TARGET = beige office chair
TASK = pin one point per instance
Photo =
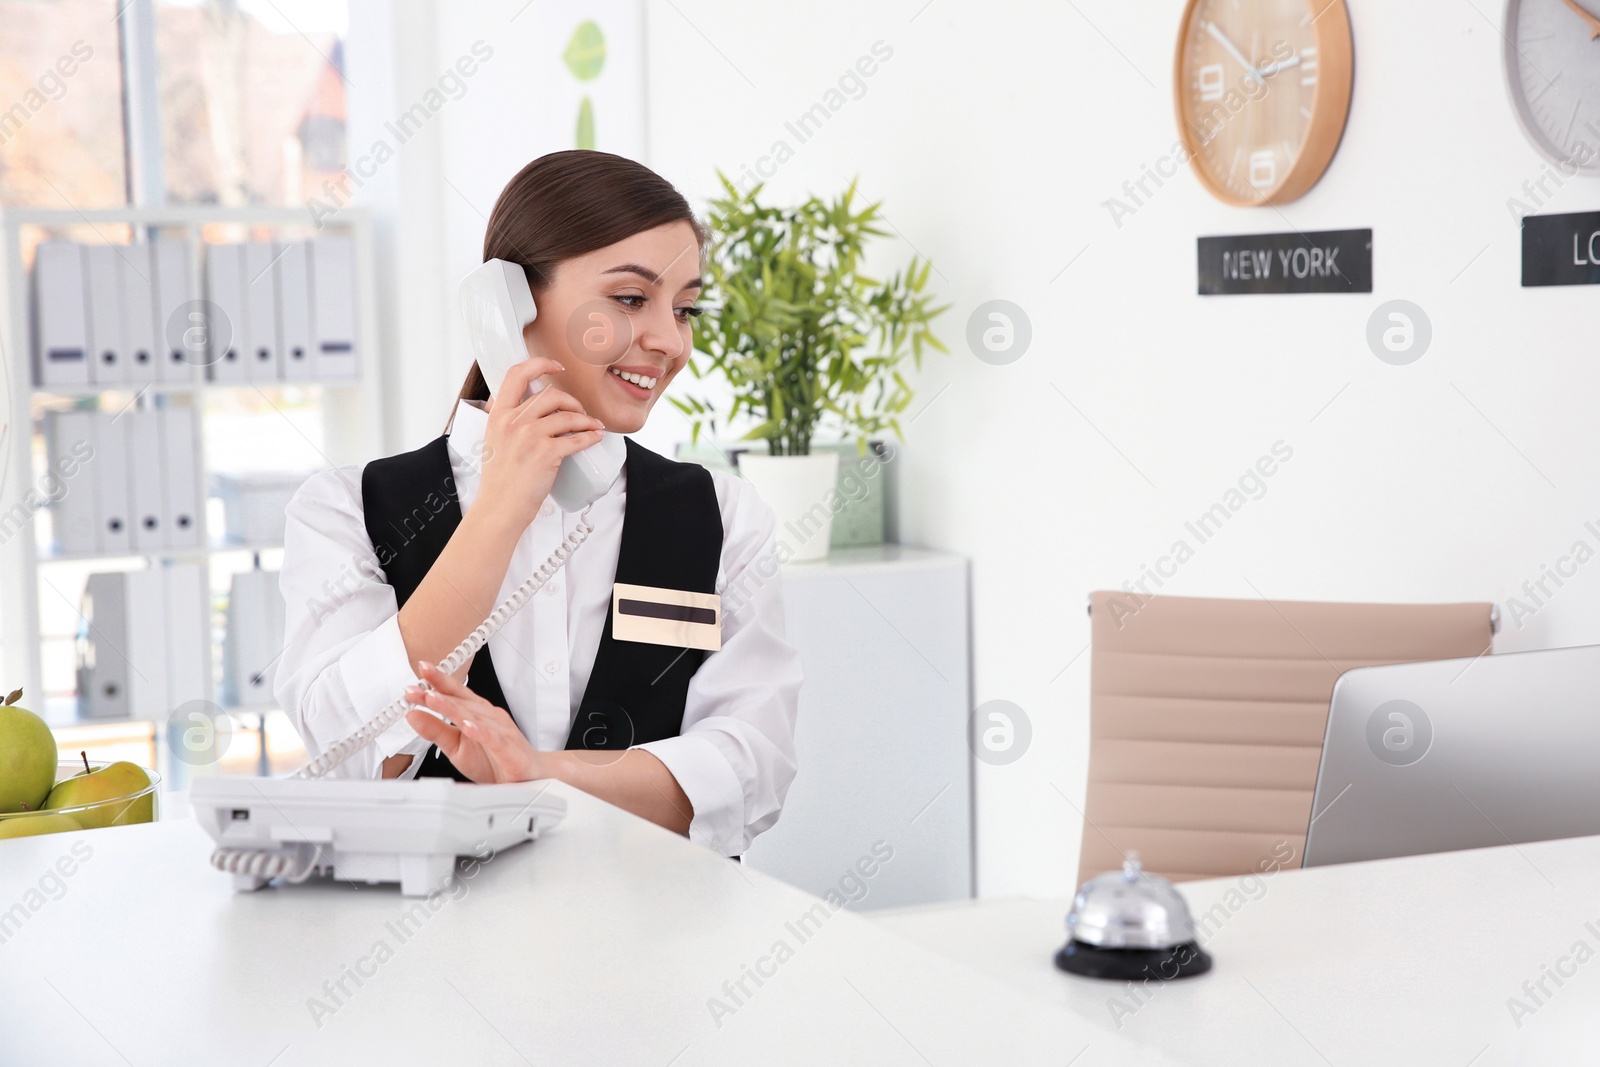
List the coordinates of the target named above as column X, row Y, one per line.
column 1206, row 719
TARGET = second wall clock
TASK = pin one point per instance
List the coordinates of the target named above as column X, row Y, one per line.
column 1553, row 74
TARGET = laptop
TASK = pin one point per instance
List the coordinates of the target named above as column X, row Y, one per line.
column 1461, row 753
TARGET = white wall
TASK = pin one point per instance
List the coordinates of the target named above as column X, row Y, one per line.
column 433, row 197
column 994, row 134
column 391, row 63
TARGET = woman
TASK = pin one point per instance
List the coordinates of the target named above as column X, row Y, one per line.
column 388, row 567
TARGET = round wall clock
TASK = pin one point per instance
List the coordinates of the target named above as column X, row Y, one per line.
column 1553, row 73
column 1262, row 89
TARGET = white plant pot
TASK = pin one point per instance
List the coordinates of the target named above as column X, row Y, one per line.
column 801, row 490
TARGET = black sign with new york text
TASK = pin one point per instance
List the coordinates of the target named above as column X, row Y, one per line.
column 1331, row 261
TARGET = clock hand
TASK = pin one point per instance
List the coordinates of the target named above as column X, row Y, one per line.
column 1272, row 68
column 1211, row 28
column 1594, row 23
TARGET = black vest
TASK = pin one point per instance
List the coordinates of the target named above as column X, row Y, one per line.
column 671, row 538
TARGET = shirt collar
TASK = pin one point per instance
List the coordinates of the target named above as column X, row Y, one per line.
column 471, row 419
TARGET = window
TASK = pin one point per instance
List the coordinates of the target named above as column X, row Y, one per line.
column 252, row 99
column 61, row 140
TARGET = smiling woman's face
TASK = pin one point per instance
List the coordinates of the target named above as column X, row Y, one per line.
column 622, row 312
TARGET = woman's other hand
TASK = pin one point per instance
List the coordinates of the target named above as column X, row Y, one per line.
column 480, row 739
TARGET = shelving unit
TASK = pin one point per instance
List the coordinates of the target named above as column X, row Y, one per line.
column 351, row 411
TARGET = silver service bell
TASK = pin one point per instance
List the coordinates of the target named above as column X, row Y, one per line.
column 1129, row 925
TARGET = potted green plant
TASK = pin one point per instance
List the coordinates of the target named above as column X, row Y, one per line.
column 808, row 343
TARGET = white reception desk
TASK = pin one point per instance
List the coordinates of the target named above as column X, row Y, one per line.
column 1462, row 959
column 610, row 941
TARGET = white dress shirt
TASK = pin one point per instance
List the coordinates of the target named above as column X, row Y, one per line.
column 344, row 660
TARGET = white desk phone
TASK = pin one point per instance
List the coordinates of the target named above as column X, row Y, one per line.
column 409, row 831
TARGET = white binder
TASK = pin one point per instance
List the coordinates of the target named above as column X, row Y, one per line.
column 123, row 670
column 189, row 636
column 253, row 640
column 61, row 321
column 180, row 460
column 261, row 313
column 142, row 360
column 298, row 351
column 107, row 335
column 102, row 650
column 180, row 331
column 69, row 437
column 115, row 535
column 333, row 307
column 148, row 642
column 145, row 476
column 225, row 291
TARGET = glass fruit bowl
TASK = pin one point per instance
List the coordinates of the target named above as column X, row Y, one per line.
column 104, row 802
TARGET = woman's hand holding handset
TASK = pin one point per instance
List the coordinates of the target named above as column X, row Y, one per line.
column 525, row 442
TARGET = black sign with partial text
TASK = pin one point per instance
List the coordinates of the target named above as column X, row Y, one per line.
column 1330, row 261
column 1561, row 249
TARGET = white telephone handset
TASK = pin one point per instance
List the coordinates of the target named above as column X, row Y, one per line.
column 496, row 304
column 409, row 831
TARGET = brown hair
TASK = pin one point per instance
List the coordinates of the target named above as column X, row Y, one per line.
column 568, row 204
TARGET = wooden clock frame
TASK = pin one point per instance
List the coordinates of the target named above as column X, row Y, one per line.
column 1330, row 109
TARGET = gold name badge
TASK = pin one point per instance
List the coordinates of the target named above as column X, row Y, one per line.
column 673, row 617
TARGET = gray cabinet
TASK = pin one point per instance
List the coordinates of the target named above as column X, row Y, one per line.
column 884, row 765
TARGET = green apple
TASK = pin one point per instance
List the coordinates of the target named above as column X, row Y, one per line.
column 105, row 788
column 28, row 825
column 27, row 758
